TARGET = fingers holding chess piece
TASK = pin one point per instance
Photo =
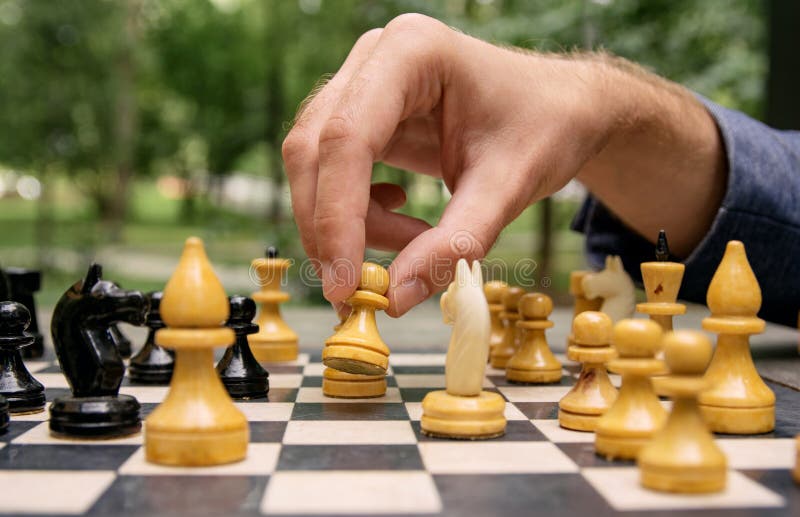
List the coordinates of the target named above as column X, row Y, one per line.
column 22, row 392
column 682, row 457
column 241, row 374
column 533, row 362
column 357, row 347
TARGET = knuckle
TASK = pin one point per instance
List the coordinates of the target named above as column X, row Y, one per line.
column 369, row 38
column 294, row 148
column 412, row 22
column 327, row 224
column 336, row 131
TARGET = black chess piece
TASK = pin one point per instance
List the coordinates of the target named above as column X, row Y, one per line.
column 153, row 364
column 662, row 247
column 122, row 342
column 241, row 374
column 24, row 283
column 90, row 360
column 4, row 419
column 23, row 393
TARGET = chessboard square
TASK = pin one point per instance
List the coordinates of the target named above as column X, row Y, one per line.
column 65, row 456
column 315, row 432
column 146, row 394
column 351, row 492
column 350, row 457
column 285, row 380
column 39, row 416
column 511, row 412
column 261, row 460
column 584, row 455
column 40, row 435
column 52, row 380
column 315, row 395
column 494, row 458
column 502, row 380
column 534, row 393
column 759, row 453
column 37, row 366
column 15, row 429
column 313, row 370
column 279, row 395
column 267, row 432
column 351, row 411
column 621, row 488
column 557, row 434
column 428, row 380
column 63, row 492
column 417, row 359
column 538, row 410
column 515, row 431
column 266, row 412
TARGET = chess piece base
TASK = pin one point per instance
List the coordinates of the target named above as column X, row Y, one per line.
column 95, row 417
column 533, row 376
column 683, row 480
column 274, row 352
column 338, row 384
column 735, row 420
column 466, row 418
column 577, row 422
column 619, row 447
column 22, row 403
column 150, row 374
column 247, row 389
column 355, row 360
column 196, row 448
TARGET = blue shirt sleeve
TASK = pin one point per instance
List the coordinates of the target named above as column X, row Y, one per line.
column 761, row 208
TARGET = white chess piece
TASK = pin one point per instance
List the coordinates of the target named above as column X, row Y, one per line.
column 464, row 307
column 615, row 287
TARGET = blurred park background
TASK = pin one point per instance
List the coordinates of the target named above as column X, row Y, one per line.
column 128, row 125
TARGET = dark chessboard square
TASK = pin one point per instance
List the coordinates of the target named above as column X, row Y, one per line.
column 283, row 368
column 418, row 369
column 186, row 495
column 350, row 411
column 415, row 394
column 278, row 395
column 147, row 408
column 780, row 482
column 350, row 457
column 511, row 494
column 516, row 431
column 583, row 454
column 311, row 382
column 538, row 410
column 16, row 428
column 265, row 432
column 69, row 456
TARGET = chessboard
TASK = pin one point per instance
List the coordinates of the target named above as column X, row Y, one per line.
column 313, row 455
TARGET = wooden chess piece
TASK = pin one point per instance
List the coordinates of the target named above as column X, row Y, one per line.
column 24, row 284
column 239, row 371
column 796, row 471
column 274, row 341
column 581, row 302
column 90, row 359
column 511, row 334
column 22, row 392
column 738, row 402
column 533, row 362
column 614, row 286
column 152, row 364
column 593, row 394
column 357, row 347
column 494, row 291
column 637, row 414
column 337, row 384
column 682, row 457
column 463, row 410
column 197, row 424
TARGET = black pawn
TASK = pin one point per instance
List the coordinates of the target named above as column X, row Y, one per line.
column 271, row 252
column 241, row 374
column 662, row 247
column 121, row 341
column 23, row 393
column 153, row 364
column 24, row 283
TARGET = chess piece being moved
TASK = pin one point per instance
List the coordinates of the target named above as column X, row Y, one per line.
column 533, row 362
column 463, row 410
column 345, row 385
column 637, row 414
column 494, row 291
column 274, row 341
column 24, row 284
column 241, row 374
column 197, row 424
column 152, row 364
column 614, row 286
column 593, row 394
column 682, row 457
column 511, row 334
column 90, row 359
column 22, row 392
column 581, row 302
column 738, row 402
column 357, row 347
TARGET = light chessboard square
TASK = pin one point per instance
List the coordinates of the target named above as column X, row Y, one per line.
column 759, row 453
column 621, row 489
column 418, row 359
column 534, row 393
column 351, row 493
column 494, row 458
column 146, row 394
column 266, row 412
column 260, row 461
column 52, row 492
column 285, row 380
column 347, row 432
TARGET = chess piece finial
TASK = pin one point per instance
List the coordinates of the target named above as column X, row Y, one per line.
column 275, row 341
column 197, row 424
column 738, row 402
column 637, row 414
column 509, row 315
column 683, row 457
column 593, row 394
column 463, row 410
column 662, row 247
column 240, row 372
column 357, row 347
column 614, row 286
column 152, row 364
column 533, row 362
column 23, row 393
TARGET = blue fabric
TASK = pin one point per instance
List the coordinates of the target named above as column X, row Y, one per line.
column 761, row 208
